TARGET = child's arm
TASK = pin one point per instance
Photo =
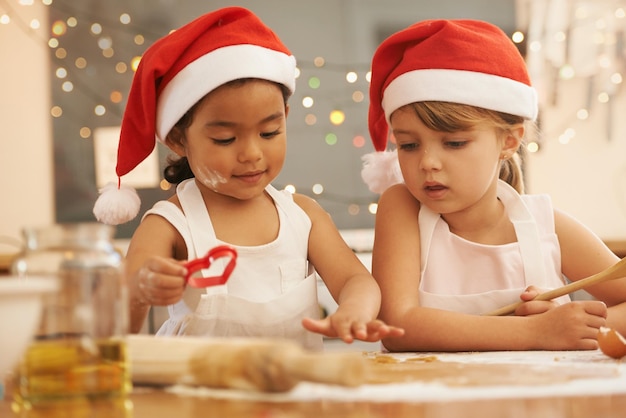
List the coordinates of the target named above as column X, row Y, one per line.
column 584, row 254
column 396, row 266
column 154, row 276
column 347, row 279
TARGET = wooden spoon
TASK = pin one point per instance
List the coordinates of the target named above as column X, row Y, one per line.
column 616, row 271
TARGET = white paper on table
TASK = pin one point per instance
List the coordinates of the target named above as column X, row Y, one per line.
column 430, row 392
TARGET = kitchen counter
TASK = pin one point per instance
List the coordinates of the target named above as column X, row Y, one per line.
column 500, row 384
column 156, row 404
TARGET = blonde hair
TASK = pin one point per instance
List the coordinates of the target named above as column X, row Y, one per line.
column 453, row 117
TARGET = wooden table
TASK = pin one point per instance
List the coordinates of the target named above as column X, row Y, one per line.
column 157, row 404
column 587, row 385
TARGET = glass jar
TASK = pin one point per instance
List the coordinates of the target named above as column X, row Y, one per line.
column 79, row 350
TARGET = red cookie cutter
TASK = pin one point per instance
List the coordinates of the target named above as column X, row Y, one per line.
column 221, row 251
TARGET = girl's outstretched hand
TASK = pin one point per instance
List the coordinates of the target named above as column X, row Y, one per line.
column 339, row 326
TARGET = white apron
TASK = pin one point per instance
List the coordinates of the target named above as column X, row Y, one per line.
column 535, row 256
column 270, row 290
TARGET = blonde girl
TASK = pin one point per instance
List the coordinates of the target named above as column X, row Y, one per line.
column 455, row 237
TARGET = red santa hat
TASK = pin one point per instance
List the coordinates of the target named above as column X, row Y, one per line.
column 461, row 61
column 175, row 73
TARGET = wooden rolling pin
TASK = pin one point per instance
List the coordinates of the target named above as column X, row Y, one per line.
column 239, row 363
column 616, row 271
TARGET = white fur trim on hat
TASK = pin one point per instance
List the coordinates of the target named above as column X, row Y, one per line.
column 212, row 70
column 458, row 86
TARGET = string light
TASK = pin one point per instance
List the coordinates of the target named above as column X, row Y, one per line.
column 165, row 185
column 358, row 96
column 331, row 138
column 317, row 189
column 314, row 83
column 352, row 77
column 85, row 132
column 310, row 119
column 582, row 114
column 532, row 147
column 337, row 117
column 319, row 61
column 567, row 136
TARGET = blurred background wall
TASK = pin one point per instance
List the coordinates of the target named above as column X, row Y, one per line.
column 67, row 66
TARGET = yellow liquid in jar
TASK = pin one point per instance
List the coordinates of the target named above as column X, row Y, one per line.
column 71, row 368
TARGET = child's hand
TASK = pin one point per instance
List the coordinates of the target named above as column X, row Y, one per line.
column 570, row 326
column 533, row 307
column 161, row 281
column 340, row 326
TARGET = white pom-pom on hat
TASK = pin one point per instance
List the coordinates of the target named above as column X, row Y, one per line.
column 116, row 205
column 381, row 170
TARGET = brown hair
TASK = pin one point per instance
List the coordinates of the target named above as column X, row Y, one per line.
column 453, row 117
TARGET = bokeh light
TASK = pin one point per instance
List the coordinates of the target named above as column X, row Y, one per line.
column 337, row 117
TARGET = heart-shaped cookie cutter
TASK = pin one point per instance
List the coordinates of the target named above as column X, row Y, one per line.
column 221, row 251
